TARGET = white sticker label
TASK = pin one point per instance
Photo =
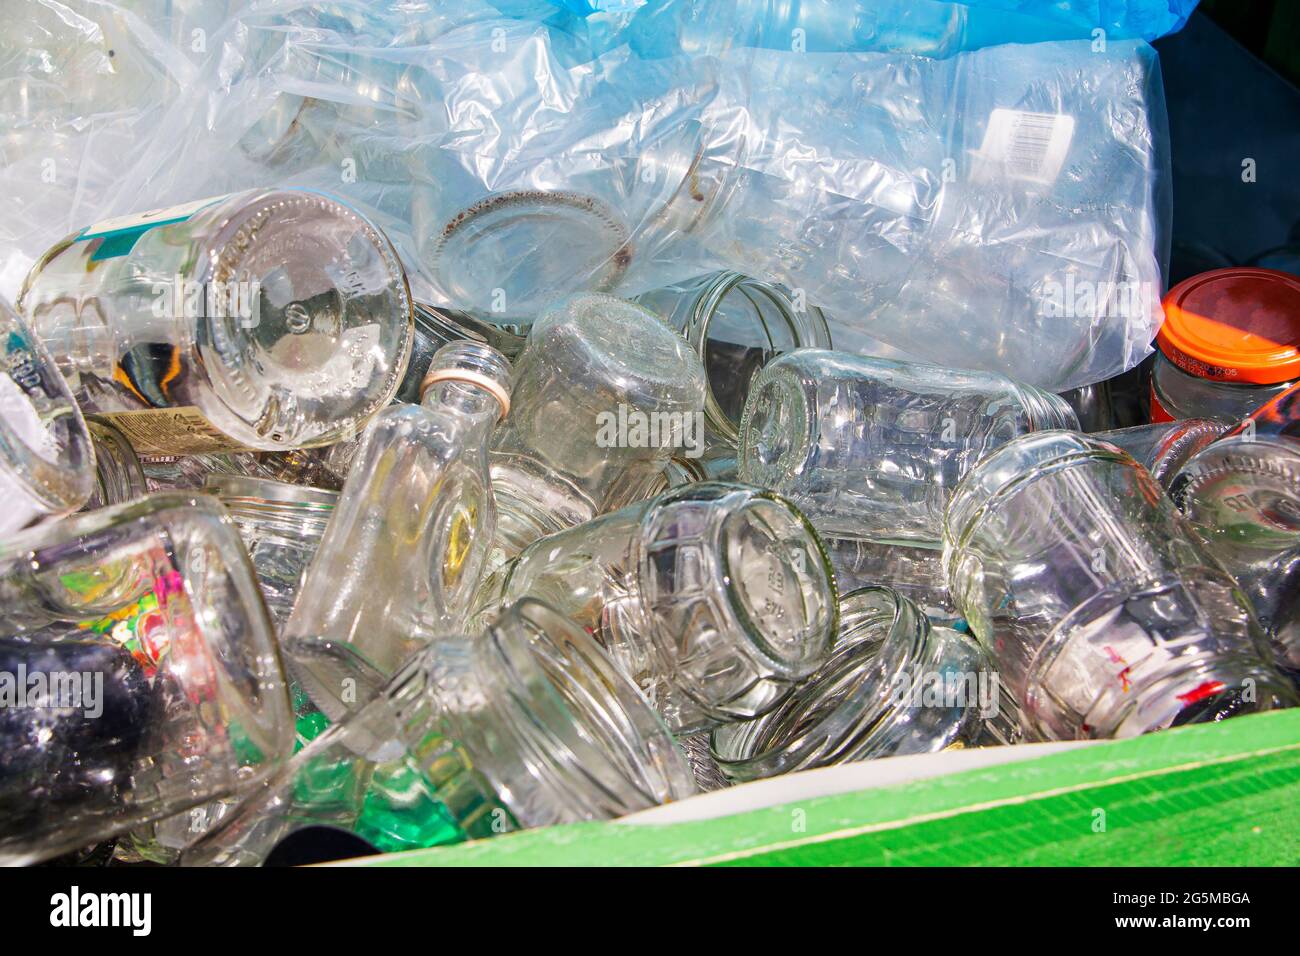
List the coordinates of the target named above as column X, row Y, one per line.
column 1024, row 146
column 181, row 430
column 153, row 217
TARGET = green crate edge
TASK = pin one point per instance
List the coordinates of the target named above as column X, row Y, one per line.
column 1219, row 794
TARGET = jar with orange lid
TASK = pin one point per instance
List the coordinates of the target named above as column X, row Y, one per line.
column 1229, row 344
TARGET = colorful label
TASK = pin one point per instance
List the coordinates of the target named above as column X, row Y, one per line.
column 119, row 235
column 142, row 628
column 1158, row 412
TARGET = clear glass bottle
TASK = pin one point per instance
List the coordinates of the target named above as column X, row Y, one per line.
column 118, row 475
column 1230, row 342
column 400, row 560
column 605, row 394
column 269, row 319
column 894, row 685
column 436, row 327
column 47, row 459
column 281, row 525
column 163, row 685
column 736, row 324
column 1164, row 447
column 1102, row 610
column 715, row 598
column 528, row 725
column 872, row 448
column 1242, row 495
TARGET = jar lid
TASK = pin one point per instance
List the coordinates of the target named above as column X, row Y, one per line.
column 1238, row 324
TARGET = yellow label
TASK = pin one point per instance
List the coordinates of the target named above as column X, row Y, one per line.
column 171, row 431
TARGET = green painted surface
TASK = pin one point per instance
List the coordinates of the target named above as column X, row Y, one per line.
column 1223, row 794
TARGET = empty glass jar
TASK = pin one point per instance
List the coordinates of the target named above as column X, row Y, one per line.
column 893, row 685
column 872, row 448
column 268, row 319
column 715, row 598
column 1102, row 610
column 401, row 558
column 1242, row 495
column 47, row 461
column 118, row 474
column 1164, row 447
column 138, row 672
column 605, row 394
column 528, row 725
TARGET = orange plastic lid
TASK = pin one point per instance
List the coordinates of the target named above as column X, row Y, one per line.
column 1234, row 325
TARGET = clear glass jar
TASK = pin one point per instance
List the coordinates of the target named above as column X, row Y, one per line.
column 715, row 598
column 281, row 525
column 872, row 448
column 47, row 460
column 164, row 683
column 1229, row 344
column 893, row 686
column 1102, row 610
column 1242, row 495
column 736, row 324
column 1164, row 447
column 402, row 556
column 118, row 475
column 915, row 573
column 269, row 319
column 605, row 394
column 528, row 725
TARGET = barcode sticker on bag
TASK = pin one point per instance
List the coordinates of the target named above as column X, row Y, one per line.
column 1025, row 146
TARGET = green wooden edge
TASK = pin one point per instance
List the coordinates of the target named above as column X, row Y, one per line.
column 1220, row 794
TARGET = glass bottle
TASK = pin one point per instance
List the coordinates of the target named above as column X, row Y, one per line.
column 872, row 448
column 715, row 598
column 1164, row 447
column 1242, row 495
column 436, row 327
column 269, row 319
column 893, row 685
column 403, row 553
column 736, row 324
column 1100, row 607
column 47, row 459
column 1230, row 342
column 281, row 526
column 605, row 394
column 176, row 696
column 118, row 475
column 528, row 725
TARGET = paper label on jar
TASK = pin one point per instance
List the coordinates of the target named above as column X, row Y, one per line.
column 119, row 235
column 183, row 430
column 1025, row 146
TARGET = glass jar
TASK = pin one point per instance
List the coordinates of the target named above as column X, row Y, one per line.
column 118, row 475
column 162, row 682
column 893, row 686
column 1102, row 610
column 736, row 324
column 1164, row 447
column 1242, row 495
column 402, row 556
column 605, row 394
column 47, row 460
column 528, row 725
column 715, row 598
column 281, row 525
column 872, row 448
column 1229, row 344
column 915, row 573
column 269, row 319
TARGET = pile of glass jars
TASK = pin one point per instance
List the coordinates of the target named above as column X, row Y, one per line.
column 284, row 547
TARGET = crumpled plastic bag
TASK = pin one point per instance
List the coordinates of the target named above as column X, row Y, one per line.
column 935, row 205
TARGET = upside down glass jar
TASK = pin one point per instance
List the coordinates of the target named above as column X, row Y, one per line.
column 872, row 448
column 1230, row 342
column 268, row 319
column 529, row 724
column 47, row 459
column 1102, row 610
column 893, row 685
column 714, row 598
column 144, row 674
column 1242, row 495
